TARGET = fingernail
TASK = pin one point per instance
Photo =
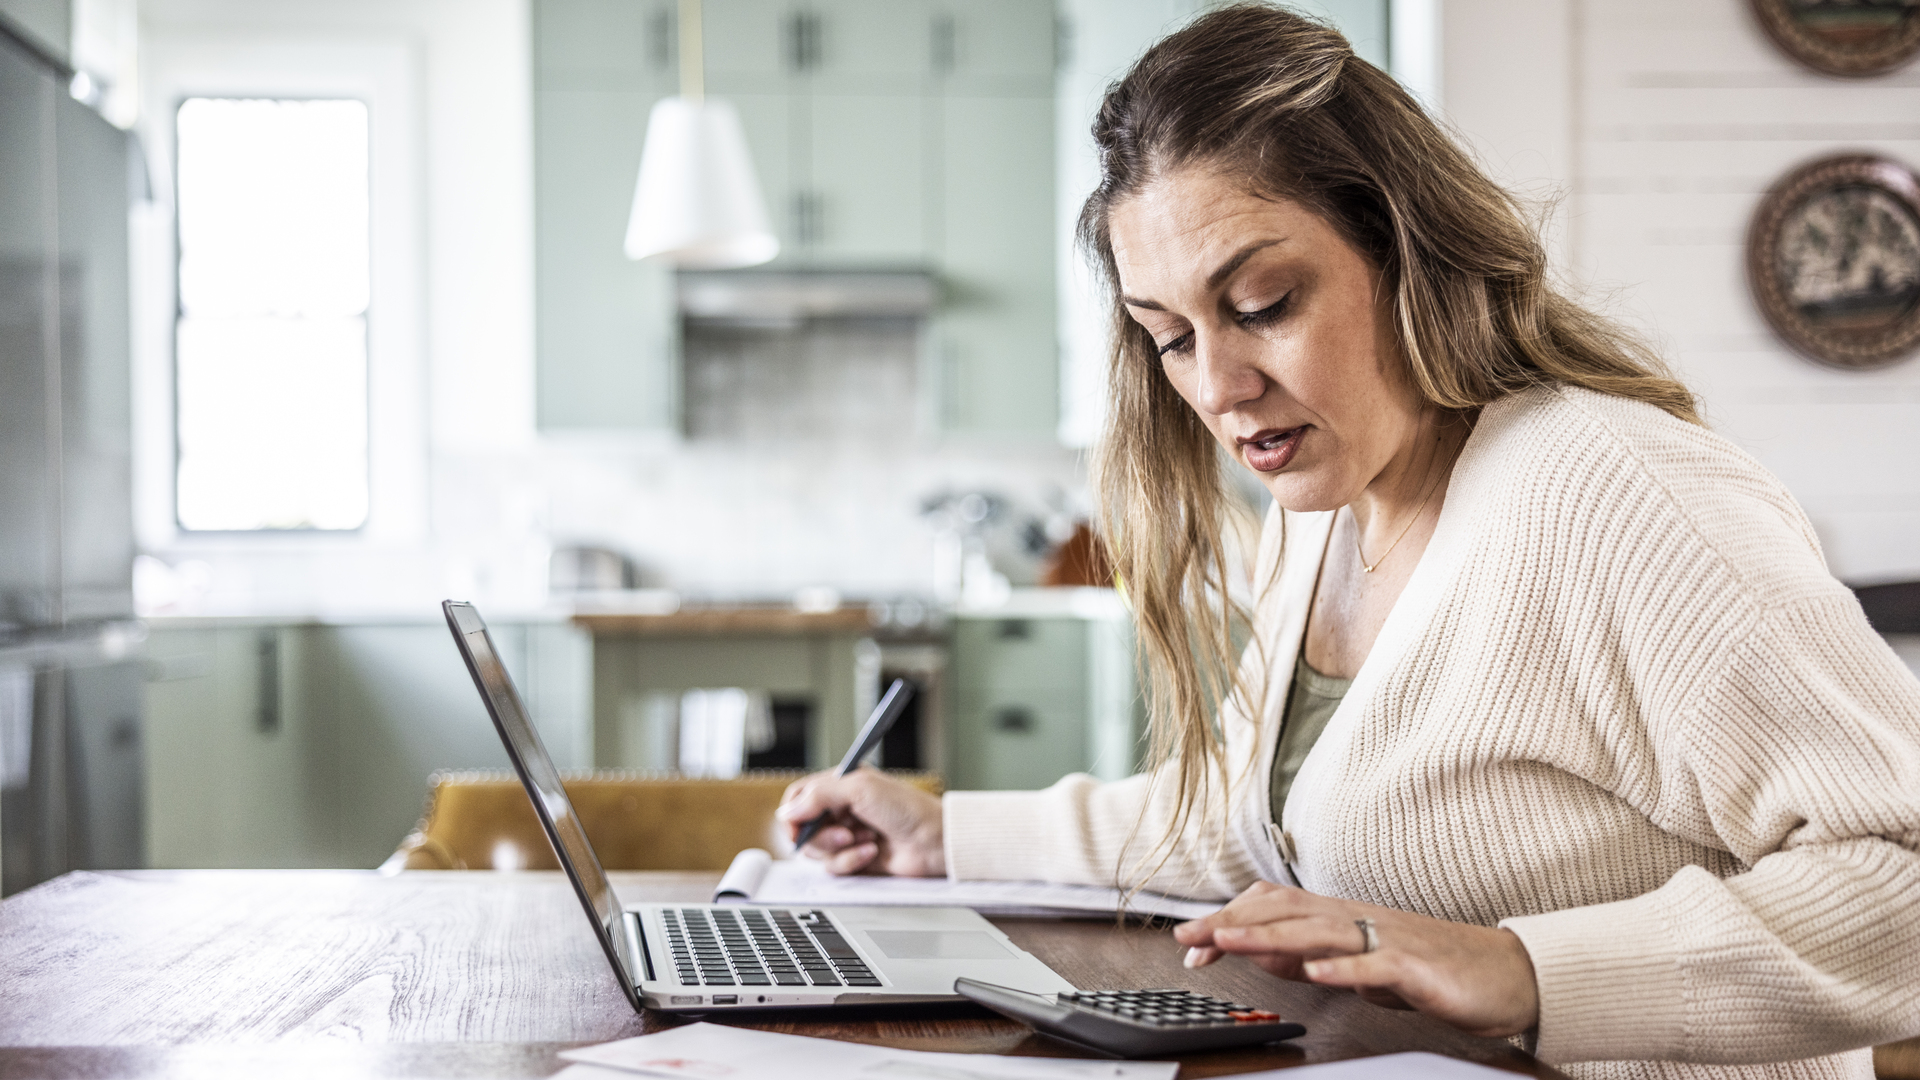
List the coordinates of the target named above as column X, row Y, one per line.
column 1315, row 969
column 1195, row 957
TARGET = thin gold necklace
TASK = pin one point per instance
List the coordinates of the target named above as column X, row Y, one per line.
column 1431, row 488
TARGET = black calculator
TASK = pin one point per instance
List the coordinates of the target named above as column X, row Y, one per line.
column 1135, row 1023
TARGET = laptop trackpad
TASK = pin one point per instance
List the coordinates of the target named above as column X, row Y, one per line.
column 937, row 945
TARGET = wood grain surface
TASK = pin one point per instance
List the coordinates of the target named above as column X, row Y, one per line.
column 346, row 973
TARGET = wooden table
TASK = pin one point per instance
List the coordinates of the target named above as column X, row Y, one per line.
column 293, row 973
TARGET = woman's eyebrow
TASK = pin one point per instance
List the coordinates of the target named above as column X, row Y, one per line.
column 1239, row 259
column 1214, row 279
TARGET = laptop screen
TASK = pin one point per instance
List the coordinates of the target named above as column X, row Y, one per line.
column 550, row 802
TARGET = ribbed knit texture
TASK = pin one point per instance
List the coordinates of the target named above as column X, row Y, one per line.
column 1621, row 709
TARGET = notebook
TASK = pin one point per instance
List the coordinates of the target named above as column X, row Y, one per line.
column 757, row 877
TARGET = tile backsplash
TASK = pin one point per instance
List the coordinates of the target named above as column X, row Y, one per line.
column 825, row 383
column 808, row 456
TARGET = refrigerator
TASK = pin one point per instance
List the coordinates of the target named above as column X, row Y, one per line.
column 71, row 764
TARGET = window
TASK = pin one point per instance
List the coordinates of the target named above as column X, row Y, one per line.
column 270, row 343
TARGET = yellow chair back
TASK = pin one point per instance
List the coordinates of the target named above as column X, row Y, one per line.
column 481, row 820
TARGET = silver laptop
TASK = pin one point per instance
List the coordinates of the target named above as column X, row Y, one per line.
column 703, row 957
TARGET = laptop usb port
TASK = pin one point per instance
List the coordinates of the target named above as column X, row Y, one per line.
column 726, row 999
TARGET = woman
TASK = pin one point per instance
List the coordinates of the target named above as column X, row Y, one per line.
column 1551, row 709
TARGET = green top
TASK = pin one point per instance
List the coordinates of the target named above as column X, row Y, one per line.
column 1310, row 704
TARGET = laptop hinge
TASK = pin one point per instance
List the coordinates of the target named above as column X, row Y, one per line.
column 636, row 933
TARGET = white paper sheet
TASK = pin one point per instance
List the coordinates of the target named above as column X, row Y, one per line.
column 1413, row 1066
column 758, row 877
column 717, row 1052
column 592, row 1072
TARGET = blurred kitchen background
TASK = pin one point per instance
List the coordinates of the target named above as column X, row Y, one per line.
column 316, row 312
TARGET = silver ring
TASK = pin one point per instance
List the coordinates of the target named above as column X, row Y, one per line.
column 1366, row 931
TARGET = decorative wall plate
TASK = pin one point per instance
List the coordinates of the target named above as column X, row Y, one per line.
column 1844, row 37
column 1833, row 257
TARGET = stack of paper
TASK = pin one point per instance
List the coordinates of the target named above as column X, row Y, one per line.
column 757, row 877
column 714, row 1052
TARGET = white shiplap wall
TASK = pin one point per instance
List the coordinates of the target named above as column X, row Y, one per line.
column 1659, row 124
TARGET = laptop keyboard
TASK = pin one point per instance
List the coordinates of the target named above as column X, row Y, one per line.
column 761, row 947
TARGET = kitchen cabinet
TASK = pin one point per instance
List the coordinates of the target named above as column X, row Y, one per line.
column 229, row 739
column 837, row 94
column 885, row 133
column 866, row 200
column 1041, row 687
column 641, row 661
column 606, row 328
column 275, row 743
column 997, row 340
column 996, row 48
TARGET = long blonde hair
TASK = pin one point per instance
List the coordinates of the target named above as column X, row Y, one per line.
column 1262, row 92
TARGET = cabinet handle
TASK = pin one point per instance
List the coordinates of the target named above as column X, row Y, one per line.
column 803, row 41
column 809, row 217
column 267, row 713
column 944, row 51
column 661, row 35
column 1015, row 720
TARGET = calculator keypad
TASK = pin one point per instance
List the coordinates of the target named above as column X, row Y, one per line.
column 1169, row 1008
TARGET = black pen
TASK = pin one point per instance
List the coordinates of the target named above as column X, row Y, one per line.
column 884, row 714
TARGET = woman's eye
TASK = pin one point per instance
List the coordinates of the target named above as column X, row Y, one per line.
column 1266, row 314
column 1177, row 344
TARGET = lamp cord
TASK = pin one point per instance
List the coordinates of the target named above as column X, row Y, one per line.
column 692, row 75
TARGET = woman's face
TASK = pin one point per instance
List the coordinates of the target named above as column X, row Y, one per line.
column 1270, row 325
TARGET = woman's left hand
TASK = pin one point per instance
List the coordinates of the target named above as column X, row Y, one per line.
column 1477, row 978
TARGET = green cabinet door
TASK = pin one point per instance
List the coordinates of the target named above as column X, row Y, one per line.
column 748, row 46
column 996, row 335
column 606, row 325
column 1019, row 702
column 867, row 166
column 867, row 46
column 1037, row 696
column 606, row 328
column 995, row 48
column 603, row 44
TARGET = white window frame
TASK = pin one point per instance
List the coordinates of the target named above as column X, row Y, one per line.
column 383, row 73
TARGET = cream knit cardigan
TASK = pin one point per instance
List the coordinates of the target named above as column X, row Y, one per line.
column 1623, row 710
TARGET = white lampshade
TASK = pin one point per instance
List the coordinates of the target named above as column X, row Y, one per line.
column 697, row 204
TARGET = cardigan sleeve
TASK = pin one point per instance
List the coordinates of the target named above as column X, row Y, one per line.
column 1802, row 757
column 1081, row 831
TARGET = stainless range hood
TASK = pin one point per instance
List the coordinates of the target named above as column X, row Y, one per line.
column 789, row 297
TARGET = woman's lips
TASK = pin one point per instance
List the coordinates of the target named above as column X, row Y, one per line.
column 1270, row 450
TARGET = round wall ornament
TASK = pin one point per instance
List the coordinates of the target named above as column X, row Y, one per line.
column 1844, row 37
column 1833, row 258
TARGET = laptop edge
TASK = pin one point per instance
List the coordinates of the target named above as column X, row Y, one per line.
column 918, row 951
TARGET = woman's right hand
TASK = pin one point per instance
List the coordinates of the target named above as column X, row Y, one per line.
column 876, row 824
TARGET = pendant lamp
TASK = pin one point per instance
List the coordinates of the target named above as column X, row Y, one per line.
column 697, row 205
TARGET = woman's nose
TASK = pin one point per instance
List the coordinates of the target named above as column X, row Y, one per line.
column 1228, row 376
